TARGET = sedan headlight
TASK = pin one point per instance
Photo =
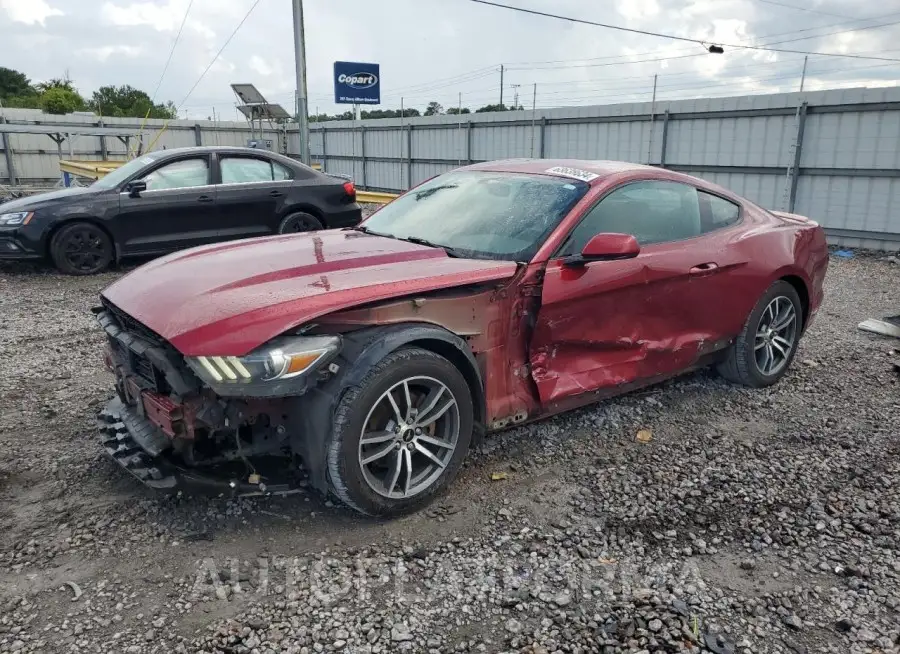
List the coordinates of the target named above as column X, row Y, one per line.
column 15, row 218
column 268, row 370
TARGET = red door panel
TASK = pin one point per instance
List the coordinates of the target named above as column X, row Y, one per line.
column 611, row 323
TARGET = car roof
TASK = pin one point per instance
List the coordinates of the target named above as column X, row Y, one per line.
column 600, row 168
column 216, row 148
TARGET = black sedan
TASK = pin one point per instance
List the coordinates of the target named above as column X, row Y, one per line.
column 174, row 199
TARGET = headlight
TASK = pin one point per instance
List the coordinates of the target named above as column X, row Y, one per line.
column 16, row 218
column 261, row 372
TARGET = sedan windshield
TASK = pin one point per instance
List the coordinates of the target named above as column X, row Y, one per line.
column 480, row 214
column 123, row 172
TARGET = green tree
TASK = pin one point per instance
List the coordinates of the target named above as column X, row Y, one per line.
column 60, row 100
column 454, row 111
column 434, row 109
column 14, row 84
column 128, row 102
column 56, row 83
column 493, row 107
column 16, row 90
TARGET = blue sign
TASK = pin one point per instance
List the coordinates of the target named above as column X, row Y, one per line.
column 356, row 83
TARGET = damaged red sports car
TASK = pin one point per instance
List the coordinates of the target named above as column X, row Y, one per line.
column 372, row 358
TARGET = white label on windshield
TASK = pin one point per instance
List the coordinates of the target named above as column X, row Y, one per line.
column 577, row 173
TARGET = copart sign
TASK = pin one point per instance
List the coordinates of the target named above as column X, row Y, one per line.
column 356, row 83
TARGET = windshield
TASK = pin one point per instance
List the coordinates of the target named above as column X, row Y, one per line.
column 123, row 172
column 481, row 214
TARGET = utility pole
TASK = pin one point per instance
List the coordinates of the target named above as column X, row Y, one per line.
column 300, row 57
column 501, row 85
column 459, row 127
column 803, row 74
column 652, row 118
column 533, row 115
column 515, row 95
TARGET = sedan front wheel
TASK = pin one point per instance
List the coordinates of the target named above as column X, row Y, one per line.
column 400, row 437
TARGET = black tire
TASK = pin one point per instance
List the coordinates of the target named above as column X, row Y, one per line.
column 346, row 479
column 81, row 248
column 741, row 364
column 299, row 222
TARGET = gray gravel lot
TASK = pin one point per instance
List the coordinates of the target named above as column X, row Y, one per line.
column 754, row 521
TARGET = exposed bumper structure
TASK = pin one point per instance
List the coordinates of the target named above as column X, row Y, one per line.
column 140, row 448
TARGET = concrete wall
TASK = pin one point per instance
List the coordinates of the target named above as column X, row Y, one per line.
column 831, row 155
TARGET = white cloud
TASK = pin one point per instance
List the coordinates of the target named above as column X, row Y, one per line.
column 635, row 9
column 104, row 52
column 30, row 12
column 259, row 65
column 164, row 17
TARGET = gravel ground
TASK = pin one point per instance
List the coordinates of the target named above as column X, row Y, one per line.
column 753, row 521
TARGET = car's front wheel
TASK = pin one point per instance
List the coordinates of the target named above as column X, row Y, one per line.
column 400, row 436
column 765, row 348
column 81, row 248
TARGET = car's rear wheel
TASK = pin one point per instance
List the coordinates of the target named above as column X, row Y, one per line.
column 765, row 348
column 81, row 248
column 299, row 222
column 400, row 436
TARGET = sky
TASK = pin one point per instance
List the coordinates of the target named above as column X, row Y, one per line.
column 438, row 49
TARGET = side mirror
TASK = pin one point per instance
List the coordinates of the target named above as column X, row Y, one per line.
column 606, row 247
column 136, row 187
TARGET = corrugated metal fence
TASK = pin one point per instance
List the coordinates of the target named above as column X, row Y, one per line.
column 33, row 158
column 831, row 155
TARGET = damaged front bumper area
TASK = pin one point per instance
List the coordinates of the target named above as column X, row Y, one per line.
column 169, row 431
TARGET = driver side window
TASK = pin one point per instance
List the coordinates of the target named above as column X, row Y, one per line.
column 179, row 174
column 652, row 212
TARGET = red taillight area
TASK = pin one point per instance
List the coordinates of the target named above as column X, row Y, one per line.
column 350, row 189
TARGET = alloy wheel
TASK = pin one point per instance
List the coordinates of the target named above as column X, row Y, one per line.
column 409, row 437
column 776, row 336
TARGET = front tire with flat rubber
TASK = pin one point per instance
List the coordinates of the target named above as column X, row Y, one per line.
column 766, row 346
column 400, row 436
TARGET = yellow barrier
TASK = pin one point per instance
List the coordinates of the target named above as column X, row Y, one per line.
column 374, row 198
column 90, row 169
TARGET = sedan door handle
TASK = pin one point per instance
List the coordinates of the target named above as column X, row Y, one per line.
column 204, row 198
column 276, row 194
column 704, row 268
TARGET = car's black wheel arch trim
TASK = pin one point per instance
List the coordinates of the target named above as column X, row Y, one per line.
column 313, row 211
column 311, row 415
column 803, row 292
column 57, row 226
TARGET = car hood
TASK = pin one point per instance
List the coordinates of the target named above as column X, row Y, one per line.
column 43, row 199
column 230, row 298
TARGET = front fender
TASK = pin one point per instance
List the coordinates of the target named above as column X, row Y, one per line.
column 311, row 415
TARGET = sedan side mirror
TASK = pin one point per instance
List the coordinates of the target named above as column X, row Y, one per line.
column 606, row 247
column 136, row 187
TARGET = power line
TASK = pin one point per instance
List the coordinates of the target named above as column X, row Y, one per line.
column 214, row 59
column 171, row 51
column 703, row 54
column 674, row 37
column 812, row 11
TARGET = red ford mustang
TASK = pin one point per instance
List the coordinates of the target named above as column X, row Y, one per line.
column 486, row 297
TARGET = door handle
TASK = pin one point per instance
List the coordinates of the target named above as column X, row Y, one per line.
column 276, row 194
column 704, row 268
column 204, row 198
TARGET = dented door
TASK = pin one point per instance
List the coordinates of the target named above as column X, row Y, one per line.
column 611, row 323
